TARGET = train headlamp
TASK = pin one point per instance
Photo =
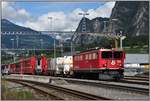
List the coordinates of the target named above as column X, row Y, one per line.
column 113, row 62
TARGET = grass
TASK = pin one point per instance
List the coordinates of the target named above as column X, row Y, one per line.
column 15, row 94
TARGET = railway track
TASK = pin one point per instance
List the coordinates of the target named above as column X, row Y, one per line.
column 130, row 80
column 133, row 86
column 142, row 76
column 140, row 81
column 109, row 84
column 37, row 89
column 76, row 93
column 137, row 78
column 134, row 81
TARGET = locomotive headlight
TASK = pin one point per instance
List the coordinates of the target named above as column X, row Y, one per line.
column 113, row 62
column 104, row 65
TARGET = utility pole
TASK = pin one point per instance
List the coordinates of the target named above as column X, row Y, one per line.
column 121, row 39
column 61, row 47
column 71, row 49
column 113, row 32
column 17, row 40
column 96, row 25
column 54, row 49
column 83, row 24
column 51, row 27
column 105, row 29
column 41, row 41
column 84, row 21
column 12, row 43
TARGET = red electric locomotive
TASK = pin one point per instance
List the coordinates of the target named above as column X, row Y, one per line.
column 102, row 63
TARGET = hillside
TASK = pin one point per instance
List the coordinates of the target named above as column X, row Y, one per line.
column 26, row 40
column 132, row 19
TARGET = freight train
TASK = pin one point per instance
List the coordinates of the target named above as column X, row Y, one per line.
column 102, row 63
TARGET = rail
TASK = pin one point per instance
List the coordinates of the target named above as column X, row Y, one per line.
column 51, row 96
column 134, row 81
column 139, row 90
column 82, row 95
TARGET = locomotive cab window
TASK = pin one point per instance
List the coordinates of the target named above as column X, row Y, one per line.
column 106, row 55
column 118, row 55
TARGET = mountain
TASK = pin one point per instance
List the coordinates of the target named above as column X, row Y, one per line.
column 129, row 17
column 28, row 40
column 132, row 17
column 8, row 26
column 94, row 25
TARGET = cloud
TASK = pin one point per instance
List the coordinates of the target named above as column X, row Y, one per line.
column 9, row 12
column 60, row 22
column 43, row 23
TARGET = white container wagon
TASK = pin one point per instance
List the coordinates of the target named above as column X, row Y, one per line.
column 67, row 65
column 60, row 65
column 55, row 66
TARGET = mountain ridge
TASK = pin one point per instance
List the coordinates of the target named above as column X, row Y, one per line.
column 26, row 40
column 132, row 19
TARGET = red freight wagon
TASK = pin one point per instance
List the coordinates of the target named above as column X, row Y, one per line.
column 103, row 63
column 24, row 66
column 12, row 67
column 32, row 65
column 27, row 66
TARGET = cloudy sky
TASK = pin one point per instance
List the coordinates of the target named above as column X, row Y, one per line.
column 65, row 15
